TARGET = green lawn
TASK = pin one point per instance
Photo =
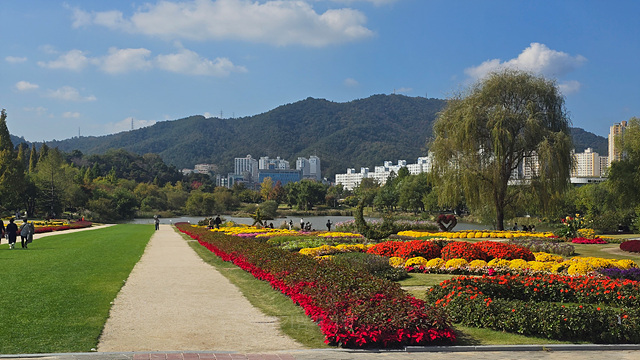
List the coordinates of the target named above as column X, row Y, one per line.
column 55, row 296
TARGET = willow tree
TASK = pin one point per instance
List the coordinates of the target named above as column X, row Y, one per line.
column 509, row 121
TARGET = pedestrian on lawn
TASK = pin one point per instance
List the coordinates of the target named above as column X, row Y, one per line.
column 25, row 230
column 12, row 233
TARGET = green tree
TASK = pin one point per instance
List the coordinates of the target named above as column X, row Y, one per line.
column 266, row 187
column 12, row 182
column 33, row 159
column 500, row 124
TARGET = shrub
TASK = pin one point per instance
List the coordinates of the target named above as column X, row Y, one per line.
column 582, row 240
column 631, row 246
column 387, row 248
column 552, row 246
column 463, row 250
column 375, row 265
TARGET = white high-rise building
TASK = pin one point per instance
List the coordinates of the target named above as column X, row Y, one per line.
column 309, row 168
column 246, row 165
column 265, row 163
column 588, row 164
column 615, row 131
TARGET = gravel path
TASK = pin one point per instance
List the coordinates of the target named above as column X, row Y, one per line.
column 174, row 301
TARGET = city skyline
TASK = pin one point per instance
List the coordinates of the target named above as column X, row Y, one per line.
column 97, row 68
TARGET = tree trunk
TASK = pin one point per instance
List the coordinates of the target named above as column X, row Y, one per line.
column 499, row 218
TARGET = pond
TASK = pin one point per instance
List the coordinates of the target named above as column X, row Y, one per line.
column 317, row 222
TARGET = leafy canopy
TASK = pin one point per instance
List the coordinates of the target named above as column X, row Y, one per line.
column 496, row 128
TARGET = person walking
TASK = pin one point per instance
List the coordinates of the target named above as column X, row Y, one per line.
column 12, row 233
column 329, row 225
column 217, row 222
column 156, row 220
column 1, row 230
column 25, row 230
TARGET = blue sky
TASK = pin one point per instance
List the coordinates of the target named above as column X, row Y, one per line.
column 93, row 66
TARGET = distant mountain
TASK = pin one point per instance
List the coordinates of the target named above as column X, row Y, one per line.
column 359, row 133
column 583, row 139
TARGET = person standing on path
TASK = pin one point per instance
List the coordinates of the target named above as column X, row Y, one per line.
column 156, row 220
column 12, row 233
column 25, row 230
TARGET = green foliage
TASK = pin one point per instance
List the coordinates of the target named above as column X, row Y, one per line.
column 486, row 134
column 375, row 265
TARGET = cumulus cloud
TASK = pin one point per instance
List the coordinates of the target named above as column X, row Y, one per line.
column 15, row 59
column 25, row 86
column 374, row 2
column 124, row 60
column 273, row 22
column 73, row 60
column 68, row 93
column 537, row 58
column 71, row 115
column 190, row 63
column 569, row 87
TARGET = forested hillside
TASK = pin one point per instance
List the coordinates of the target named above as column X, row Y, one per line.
column 359, row 133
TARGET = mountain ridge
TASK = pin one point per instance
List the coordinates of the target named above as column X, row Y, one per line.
column 359, row 133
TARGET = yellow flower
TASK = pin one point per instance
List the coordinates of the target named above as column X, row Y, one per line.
column 498, row 263
column 416, row 261
column 477, row 264
column 396, row 261
column 543, row 256
column 456, row 263
column 518, row 264
column 435, row 263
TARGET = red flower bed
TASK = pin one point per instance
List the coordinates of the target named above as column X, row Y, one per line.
column 414, row 248
column 353, row 309
column 387, row 248
column 581, row 240
column 496, row 250
column 631, row 246
column 463, row 250
column 532, row 305
column 74, row 225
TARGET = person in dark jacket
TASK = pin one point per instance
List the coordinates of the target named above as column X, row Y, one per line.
column 12, row 232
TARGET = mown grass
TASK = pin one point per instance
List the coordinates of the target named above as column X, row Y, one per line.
column 56, row 296
column 292, row 319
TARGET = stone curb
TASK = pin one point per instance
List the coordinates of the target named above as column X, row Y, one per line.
column 408, row 349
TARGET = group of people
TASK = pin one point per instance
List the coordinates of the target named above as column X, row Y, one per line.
column 530, row 228
column 11, row 231
column 215, row 222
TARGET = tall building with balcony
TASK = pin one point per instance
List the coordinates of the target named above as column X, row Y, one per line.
column 246, row 166
column 309, row 168
column 615, row 132
column 587, row 164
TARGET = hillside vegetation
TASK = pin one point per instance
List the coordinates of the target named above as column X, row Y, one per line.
column 359, row 133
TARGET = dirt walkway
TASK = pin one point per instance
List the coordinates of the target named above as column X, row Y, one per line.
column 173, row 300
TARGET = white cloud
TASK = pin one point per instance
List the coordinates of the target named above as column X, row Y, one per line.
column 350, row 82
column 72, row 60
column 40, row 111
column 124, row 60
column 15, row 59
column 71, row 115
column 68, row 93
column 26, row 86
column 537, row 58
column 569, row 87
column 374, row 2
column 190, row 63
column 273, row 22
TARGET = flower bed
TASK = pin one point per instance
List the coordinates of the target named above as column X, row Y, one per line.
column 352, row 309
column 50, row 228
column 476, row 234
column 532, row 305
column 582, row 240
column 540, row 245
column 631, row 246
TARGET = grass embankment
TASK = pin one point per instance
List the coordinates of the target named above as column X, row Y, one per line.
column 57, row 294
column 293, row 321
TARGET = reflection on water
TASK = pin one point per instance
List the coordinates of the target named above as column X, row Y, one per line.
column 317, row 222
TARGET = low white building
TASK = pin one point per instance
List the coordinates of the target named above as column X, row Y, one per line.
column 352, row 179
